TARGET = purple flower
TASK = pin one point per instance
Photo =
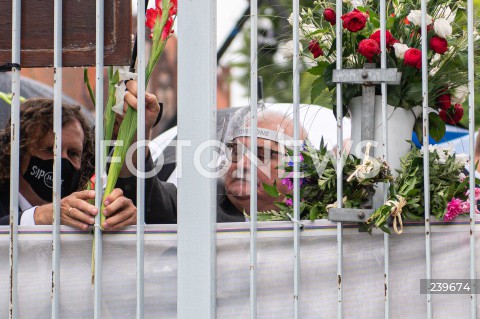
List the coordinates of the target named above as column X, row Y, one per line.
column 289, row 202
column 288, row 182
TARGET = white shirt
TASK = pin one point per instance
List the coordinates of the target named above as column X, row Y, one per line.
column 28, row 210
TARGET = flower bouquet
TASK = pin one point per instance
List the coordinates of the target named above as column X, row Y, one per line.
column 449, row 189
column 446, row 55
column 318, row 183
column 159, row 20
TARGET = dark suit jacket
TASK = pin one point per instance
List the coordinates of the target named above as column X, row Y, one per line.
column 160, row 198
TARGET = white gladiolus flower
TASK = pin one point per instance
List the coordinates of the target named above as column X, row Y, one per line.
column 290, row 19
column 462, row 158
column 400, row 50
column 446, row 13
column 436, row 57
column 124, row 74
column 415, row 17
column 287, row 50
column 434, row 71
column 306, row 29
column 459, row 94
column 442, row 28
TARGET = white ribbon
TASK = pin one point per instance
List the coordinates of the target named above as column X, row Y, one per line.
column 124, row 74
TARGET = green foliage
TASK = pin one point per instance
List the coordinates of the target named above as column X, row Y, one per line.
column 319, row 184
column 445, row 184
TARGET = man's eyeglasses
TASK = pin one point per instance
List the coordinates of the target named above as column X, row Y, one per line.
column 235, row 151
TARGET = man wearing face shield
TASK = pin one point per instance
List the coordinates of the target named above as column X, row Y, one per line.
column 36, row 171
column 275, row 131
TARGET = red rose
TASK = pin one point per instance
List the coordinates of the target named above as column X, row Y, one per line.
column 330, row 16
column 354, row 21
column 315, row 49
column 413, row 58
column 390, row 39
column 438, row 45
column 444, row 101
column 368, row 48
column 452, row 116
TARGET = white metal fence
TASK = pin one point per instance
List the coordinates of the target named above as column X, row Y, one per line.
column 197, row 273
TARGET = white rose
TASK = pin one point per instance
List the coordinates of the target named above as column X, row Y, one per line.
column 287, row 50
column 400, row 50
column 442, row 28
column 290, row 19
column 459, row 94
column 415, row 17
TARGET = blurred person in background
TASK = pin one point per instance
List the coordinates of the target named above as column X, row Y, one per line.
column 36, row 171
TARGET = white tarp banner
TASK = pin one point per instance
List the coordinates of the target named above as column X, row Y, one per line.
column 363, row 273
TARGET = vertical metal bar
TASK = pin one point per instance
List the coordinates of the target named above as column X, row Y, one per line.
column 196, row 192
column 99, row 158
column 386, row 238
column 426, row 154
column 296, row 163
column 339, row 49
column 14, row 159
column 471, row 128
column 57, row 151
column 253, row 162
column 140, row 156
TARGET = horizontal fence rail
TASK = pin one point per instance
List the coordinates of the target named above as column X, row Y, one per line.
column 189, row 259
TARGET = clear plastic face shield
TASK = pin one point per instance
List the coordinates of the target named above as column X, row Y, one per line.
column 239, row 159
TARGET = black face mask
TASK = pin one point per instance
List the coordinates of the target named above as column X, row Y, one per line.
column 39, row 175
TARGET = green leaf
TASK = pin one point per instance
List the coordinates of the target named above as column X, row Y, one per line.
column 437, row 126
column 394, row 95
column 313, row 212
column 318, row 86
column 413, row 93
column 328, row 75
column 271, row 190
column 418, row 129
column 319, row 68
column 390, row 22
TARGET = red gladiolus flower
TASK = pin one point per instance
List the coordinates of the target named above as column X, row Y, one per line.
column 354, row 21
column 368, row 48
column 330, row 16
column 413, row 58
column 315, row 48
column 390, row 39
column 438, row 45
column 151, row 17
column 173, row 6
column 168, row 28
column 444, row 101
column 452, row 116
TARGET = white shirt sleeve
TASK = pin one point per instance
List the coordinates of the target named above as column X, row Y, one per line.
column 27, row 218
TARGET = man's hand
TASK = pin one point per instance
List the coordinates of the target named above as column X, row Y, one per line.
column 119, row 211
column 75, row 211
column 152, row 108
